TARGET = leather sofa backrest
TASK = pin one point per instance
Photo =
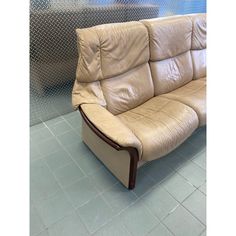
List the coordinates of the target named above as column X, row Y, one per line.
column 114, row 58
column 170, row 57
column 122, row 65
column 198, row 47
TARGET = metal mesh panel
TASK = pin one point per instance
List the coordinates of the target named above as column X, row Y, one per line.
column 53, row 49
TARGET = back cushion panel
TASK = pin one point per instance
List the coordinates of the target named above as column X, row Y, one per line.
column 171, row 73
column 123, row 47
column 88, row 67
column 199, row 31
column 111, row 49
column 128, row 90
column 199, row 63
column 198, row 47
column 169, row 37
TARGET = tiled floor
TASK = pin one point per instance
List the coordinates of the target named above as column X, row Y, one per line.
column 73, row 194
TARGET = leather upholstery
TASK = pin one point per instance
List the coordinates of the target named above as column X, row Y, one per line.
column 171, row 73
column 170, row 59
column 199, row 31
column 198, row 46
column 116, row 57
column 161, row 125
column 111, row 126
column 199, row 63
column 87, row 93
column 128, row 90
column 169, row 36
column 110, row 50
column 192, row 94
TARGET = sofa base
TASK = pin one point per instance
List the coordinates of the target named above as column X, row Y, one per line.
column 122, row 162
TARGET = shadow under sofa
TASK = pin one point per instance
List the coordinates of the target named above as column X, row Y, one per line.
column 141, row 89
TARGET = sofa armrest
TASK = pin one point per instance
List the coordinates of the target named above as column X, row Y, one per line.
column 110, row 128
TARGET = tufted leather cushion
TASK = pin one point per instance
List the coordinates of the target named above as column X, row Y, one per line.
column 161, row 125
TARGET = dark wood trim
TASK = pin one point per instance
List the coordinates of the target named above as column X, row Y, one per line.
column 133, row 152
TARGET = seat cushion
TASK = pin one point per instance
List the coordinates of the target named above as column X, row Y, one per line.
column 192, row 94
column 203, row 79
column 161, row 125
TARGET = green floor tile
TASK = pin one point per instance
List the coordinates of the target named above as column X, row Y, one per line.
column 160, row 230
column 143, row 184
column 174, row 160
column 95, row 214
column 49, row 146
column 202, row 188
column 69, row 138
column 42, row 182
column 36, row 224
column 178, row 187
column 187, row 151
column 54, row 208
column 160, row 202
column 89, row 163
column 44, row 233
column 68, row 174
column 138, row 220
column 181, row 223
column 196, row 204
column 200, row 159
column 103, row 179
column 193, row 173
column 57, row 159
column 81, row 192
column 74, row 119
column 114, row 228
column 158, row 170
column 59, row 128
column 77, row 150
column 70, row 225
column 119, row 197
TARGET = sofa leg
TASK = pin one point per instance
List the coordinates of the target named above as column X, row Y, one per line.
column 133, row 166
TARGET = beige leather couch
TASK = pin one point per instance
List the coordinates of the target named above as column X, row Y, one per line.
column 141, row 89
